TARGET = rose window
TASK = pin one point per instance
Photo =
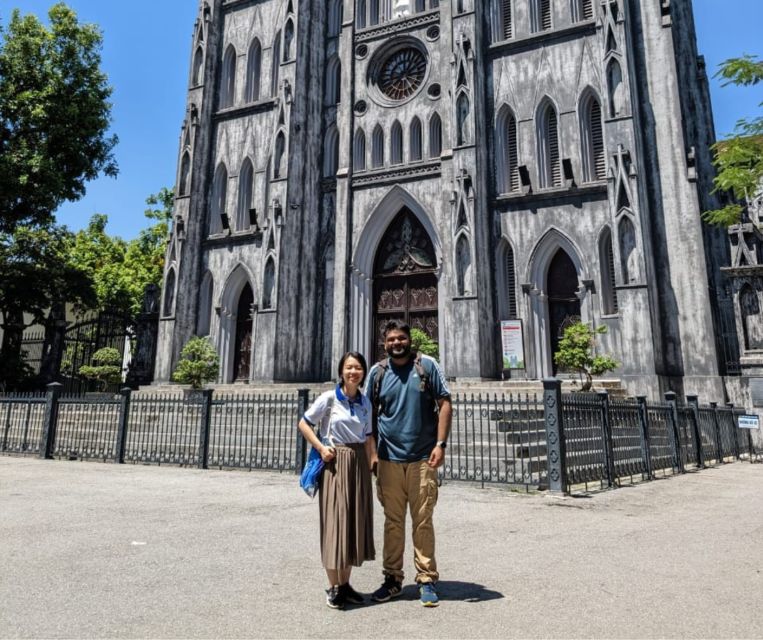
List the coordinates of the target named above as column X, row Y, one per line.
column 402, row 73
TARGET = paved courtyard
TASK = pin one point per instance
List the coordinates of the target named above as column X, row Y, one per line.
column 90, row 550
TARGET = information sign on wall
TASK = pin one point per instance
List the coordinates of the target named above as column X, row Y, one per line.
column 512, row 344
column 749, row 422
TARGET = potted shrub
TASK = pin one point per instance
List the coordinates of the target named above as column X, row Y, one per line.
column 198, row 363
column 576, row 351
column 106, row 368
column 420, row 341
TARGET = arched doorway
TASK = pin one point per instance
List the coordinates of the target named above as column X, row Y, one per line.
column 242, row 354
column 563, row 301
column 405, row 279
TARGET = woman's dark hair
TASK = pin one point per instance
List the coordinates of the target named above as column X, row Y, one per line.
column 397, row 325
column 359, row 357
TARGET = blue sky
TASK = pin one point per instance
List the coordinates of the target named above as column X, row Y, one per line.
column 146, row 55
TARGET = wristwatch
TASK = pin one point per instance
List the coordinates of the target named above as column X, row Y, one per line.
column 442, row 444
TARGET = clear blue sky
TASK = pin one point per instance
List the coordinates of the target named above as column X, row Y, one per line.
column 146, row 56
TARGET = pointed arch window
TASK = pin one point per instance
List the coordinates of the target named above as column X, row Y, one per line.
column 435, row 136
column 592, row 136
column 373, row 11
column 360, row 14
column 169, row 293
column 549, row 164
column 749, row 311
column 253, row 68
column 396, row 143
column 607, row 266
column 184, row 187
column 506, row 281
column 275, row 65
column 333, row 81
column 507, row 165
column 414, row 139
column 228, row 78
column 279, row 165
column 540, row 15
column 462, row 120
column 359, row 151
column 335, row 18
column 288, row 40
column 245, row 187
column 581, row 10
column 204, row 317
column 197, row 76
column 502, row 20
column 268, row 283
column 377, row 147
column 331, row 152
column 219, row 197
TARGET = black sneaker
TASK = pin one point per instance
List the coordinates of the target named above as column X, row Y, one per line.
column 350, row 595
column 335, row 597
column 390, row 589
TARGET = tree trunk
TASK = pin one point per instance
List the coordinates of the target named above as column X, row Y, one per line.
column 588, row 382
column 11, row 364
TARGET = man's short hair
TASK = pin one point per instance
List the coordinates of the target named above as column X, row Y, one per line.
column 397, row 325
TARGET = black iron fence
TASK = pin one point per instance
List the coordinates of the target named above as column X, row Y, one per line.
column 564, row 442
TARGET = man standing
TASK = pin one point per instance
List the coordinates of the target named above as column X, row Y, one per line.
column 412, row 403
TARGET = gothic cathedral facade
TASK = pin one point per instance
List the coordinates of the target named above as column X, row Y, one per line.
column 452, row 163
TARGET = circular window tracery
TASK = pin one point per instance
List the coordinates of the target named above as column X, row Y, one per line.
column 402, row 73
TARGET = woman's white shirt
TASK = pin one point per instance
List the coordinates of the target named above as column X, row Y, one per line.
column 350, row 420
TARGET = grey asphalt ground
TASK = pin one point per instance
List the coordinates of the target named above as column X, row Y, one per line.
column 91, row 550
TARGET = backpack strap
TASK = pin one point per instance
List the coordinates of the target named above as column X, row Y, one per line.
column 426, row 386
column 378, row 407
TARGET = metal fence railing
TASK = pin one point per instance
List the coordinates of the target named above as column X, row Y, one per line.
column 558, row 441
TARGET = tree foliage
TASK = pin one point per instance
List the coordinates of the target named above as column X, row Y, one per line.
column 577, row 351
column 54, row 115
column 420, row 341
column 199, row 363
column 739, row 158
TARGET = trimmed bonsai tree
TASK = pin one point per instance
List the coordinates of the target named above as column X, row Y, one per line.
column 106, row 368
column 198, row 364
column 576, row 351
column 420, row 341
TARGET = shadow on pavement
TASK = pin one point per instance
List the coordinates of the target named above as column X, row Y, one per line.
column 455, row 590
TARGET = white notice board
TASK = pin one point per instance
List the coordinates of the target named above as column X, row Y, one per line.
column 512, row 344
column 749, row 422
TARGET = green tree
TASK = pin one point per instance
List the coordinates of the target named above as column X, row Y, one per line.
column 576, row 351
column 199, row 363
column 739, row 158
column 106, row 368
column 54, row 115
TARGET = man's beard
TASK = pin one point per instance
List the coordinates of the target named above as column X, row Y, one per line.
column 400, row 352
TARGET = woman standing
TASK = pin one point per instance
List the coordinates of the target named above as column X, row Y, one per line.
column 347, row 447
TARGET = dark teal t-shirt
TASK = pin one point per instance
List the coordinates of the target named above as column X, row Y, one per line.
column 408, row 424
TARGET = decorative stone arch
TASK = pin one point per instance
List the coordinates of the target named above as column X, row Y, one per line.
column 168, row 293
column 239, row 277
column 608, row 277
column 506, row 280
column 197, row 72
column 362, row 267
column 227, row 93
column 463, row 263
column 206, row 295
column 539, row 318
column 253, row 71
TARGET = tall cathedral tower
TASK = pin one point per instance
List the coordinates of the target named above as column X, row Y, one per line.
column 453, row 164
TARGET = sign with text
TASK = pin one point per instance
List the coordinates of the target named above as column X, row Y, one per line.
column 749, row 422
column 512, row 344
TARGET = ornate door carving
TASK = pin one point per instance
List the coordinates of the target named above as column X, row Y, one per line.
column 405, row 283
column 243, row 344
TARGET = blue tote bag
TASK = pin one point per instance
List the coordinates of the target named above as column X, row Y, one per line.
column 311, row 474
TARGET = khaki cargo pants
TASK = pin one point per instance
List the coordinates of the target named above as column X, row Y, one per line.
column 402, row 485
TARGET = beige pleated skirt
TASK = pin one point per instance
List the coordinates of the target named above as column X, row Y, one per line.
column 346, row 509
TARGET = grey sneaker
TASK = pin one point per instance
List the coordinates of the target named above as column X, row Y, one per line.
column 390, row 589
column 335, row 597
column 428, row 595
